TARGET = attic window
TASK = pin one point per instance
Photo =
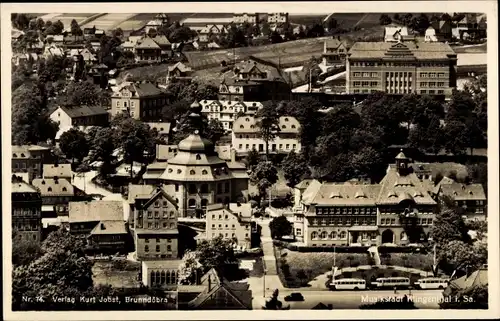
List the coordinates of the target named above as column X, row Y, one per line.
column 286, row 119
column 284, row 127
column 252, row 126
column 192, row 172
column 22, row 155
column 335, row 194
column 179, row 171
column 470, row 192
column 293, row 126
column 170, row 170
column 64, row 189
column 15, row 155
column 49, row 189
column 455, row 193
column 247, row 119
column 418, row 194
column 360, row 194
column 241, row 126
column 204, row 172
column 392, row 194
column 43, row 182
column 254, row 104
column 198, row 157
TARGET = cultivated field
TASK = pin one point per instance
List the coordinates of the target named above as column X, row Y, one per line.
column 66, row 18
column 109, row 21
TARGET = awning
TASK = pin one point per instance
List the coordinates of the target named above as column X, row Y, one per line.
column 363, row 228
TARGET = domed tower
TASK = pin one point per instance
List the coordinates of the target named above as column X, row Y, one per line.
column 402, row 163
column 199, row 175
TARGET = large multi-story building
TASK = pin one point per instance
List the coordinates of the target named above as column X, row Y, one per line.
column 196, row 176
column 230, row 221
column 226, row 111
column 277, row 17
column 79, row 116
column 28, row 160
column 398, row 210
column 401, row 68
column 240, row 18
column 246, row 136
column 141, row 100
column 252, row 80
column 26, row 212
column 470, row 197
column 56, row 194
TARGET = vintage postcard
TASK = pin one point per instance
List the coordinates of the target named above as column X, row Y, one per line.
column 250, row 160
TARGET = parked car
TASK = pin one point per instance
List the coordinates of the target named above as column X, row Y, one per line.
column 294, row 297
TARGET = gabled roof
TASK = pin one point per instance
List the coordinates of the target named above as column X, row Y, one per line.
column 23, row 187
column 143, row 89
column 311, row 191
column 53, row 187
column 95, row 211
column 420, row 50
column 242, row 211
column 57, row 170
column 161, row 40
column 346, row 195
column 149, row 192
column 109, row 227
column 83, row 111
column 463, row 192
column 396, row 188
column 147, row 43
column 24, row 151
column 477, row 278
column 179, row 65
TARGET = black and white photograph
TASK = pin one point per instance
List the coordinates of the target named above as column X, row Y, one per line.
column 250, row 156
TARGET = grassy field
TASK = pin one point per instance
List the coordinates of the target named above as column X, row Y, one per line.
column 311, row 265
column 116, row 276
column 109, row 21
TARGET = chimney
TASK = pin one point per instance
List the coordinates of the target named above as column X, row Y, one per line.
column 102, row 226
column 209, row 283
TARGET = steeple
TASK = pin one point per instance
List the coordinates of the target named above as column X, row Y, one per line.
column 195, row 117
column 402, row 163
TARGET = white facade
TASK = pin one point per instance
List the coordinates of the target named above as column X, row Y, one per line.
column 60, row 117
column 430, row 35
column 246, row 136
column 245, row 17
column 277, row 17
column 232, row 222
column 226, row 111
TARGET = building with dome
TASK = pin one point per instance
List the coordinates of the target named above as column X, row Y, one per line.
column 399, row 210
column 197, row 176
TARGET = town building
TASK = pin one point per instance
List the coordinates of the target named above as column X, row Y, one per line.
column 108, row 237
column 51, row 51
column 153, row 25
column 179, row 71
column 430, row 35
column 28, row 160
column 163, row 129
column 80, row 116
column 161, row 274
column 56, row 195
column 195, row 174
column 141, row 100
column 470, row 197
column 61, row 171
column 443, row 29
column 211, row 29
column 246, row 136
column 241, row 18
column 401, row 68
column 398, row 210
column 277, row 18
column 226, row 111
column 471, row 26
column 395, row 33
column 468, row 282
column 230, row 221
column 252, row 80
column 88, row 57
column 335, row 52
column 154, row 220
column 26, row 212
column 147, row 49
column 164, row 44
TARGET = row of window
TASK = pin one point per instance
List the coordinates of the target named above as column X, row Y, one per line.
column 157, row 248
column 398, row 64
column 25, row 212
column 432, row 74
column 431, row 84
column 26, row 227
column 214, row 234
column 346, row 210
column 392, row 221
column 158, row 240
column 332, row 235
column 27, row 236
column 164, row 277
column 345, row 221
column 227, row 226
column 157, row 214
column 365, row 83
column 156, row 225
column 432, row 92
column 366, row 74
column 23, row 165
column 461, row 203
column 273, row 147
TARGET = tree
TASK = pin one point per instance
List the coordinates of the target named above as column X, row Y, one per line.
column 75, row 29
column 385, row 19
column 295, row 168
column 20, row 21
column 397, row 17
column 82, row 93
column 449, row 226
column 103, row 143
column 332, row 24
column 280, row 226
column 236, row 37
column 479, row 174
column 118, row 33
column 214, row 131
column 190, row 268
column 458, row 256
column 152, row 32
column 24, row 251
column 276, row 37
column 268, row 124
column 74, row 145
column 472, row 298
column 58, row 27
column 429, row 138
column 406, row 20
column 252, row 159
column 135, row 138
column 30, row 119
column 264, row 175
column 218, row 253
column 302, row 276
column 62, row 271
column 265, row 29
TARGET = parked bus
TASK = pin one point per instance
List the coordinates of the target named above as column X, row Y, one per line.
column 348, row 284
column 432, row 283
column 392, row 282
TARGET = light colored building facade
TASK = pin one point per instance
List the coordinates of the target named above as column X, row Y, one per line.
column 230, row 221
column 401, row 68
column 68, row 117
column 470, row 197
column 226, row 111
column 141, row 100
column 246, row 136
column 26, row 212
column 211, row 29
column 399, row 210
column 28, row 160
column 56, row 194
column 251, row 18
column 179, row 71
column 334, row 52
column 277, row 17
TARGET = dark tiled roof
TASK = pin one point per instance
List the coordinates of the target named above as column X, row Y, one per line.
column 84, row 111
column 463, row 192
column 420, row 50
column 110, row 227
column 144, row 89
column 95, row 211
column 147, row 43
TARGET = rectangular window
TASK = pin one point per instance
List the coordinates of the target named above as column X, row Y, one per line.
column 423, row 91
column 432, row 75
column 150, row 214
column 441, row 75
column 440, row 92
column 157, row 248
column 440, row 84
column 366, row 74
column 365, row 83
column 374, row 74
column 423, row 84
column 432, row 91
column 357, row 74
column 423, row 75
column 432, row 84
column 357, row 83
column 393, row 221
column 374, row 83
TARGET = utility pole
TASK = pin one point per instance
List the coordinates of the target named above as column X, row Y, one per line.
column 310, row 80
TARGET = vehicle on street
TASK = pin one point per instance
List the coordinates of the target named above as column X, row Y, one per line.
column 432, row 283
column 348, row 284
column 296, row 296
column 392, row 282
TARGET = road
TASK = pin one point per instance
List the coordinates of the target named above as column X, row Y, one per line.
column 424, row 299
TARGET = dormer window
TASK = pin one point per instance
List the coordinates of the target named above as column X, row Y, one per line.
column 43, row 182
column 283, row 127
column 15, row 155
column 64, row 189
column 198, row 157
column 286, row 119
column 192, row 172
column 204, row 172
column 49, row 189
column 170, row 170
column 252, row 126
column 179, row 171
column 247, row 119
column 293, row 126
column 22, row 155
column 241, row 126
